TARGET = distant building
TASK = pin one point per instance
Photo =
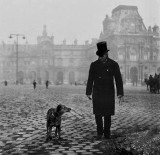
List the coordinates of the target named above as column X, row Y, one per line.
column 135, row 47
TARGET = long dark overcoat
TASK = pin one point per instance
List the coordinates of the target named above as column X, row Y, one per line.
column 100, row 85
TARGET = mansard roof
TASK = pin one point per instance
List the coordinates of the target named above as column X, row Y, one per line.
column 124, row 7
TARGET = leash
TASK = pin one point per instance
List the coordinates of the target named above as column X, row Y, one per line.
column 77, row 113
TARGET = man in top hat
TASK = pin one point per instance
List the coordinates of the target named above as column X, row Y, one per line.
column 100, row 86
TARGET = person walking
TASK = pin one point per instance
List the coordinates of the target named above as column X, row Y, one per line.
column 5, row 83
column 100, row 89
column 47, row 84
column 34, row 84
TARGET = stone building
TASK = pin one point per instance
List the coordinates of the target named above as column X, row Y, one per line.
column 135, row 47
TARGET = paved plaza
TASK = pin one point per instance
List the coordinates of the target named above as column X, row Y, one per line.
column 135, row 125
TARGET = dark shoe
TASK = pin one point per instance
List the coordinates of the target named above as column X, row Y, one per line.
column 48, row 138
column 99, row 137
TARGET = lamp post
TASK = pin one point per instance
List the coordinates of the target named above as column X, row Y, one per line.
column 125, row 57
column 23, row 37
column 141, row 44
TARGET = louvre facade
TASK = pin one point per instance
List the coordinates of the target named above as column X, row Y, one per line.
column 135, row 47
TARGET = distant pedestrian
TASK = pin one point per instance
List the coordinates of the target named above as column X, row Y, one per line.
column 34, row 84
column 5, row 83
column 47, row 84
column 100, row 85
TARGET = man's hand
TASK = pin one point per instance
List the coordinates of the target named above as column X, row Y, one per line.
column 120, row 98
column 89, row 96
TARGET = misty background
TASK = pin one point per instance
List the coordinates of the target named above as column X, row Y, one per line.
column 66, row 19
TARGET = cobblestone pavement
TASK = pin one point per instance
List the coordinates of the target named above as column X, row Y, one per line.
column 23, row 119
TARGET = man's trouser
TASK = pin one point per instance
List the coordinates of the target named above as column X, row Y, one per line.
column 103, row 129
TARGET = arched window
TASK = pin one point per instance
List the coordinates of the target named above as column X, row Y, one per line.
column 133, row 55
column 146, row 56
column 120, row 55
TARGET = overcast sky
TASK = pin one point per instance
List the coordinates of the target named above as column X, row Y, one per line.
column 66, row 19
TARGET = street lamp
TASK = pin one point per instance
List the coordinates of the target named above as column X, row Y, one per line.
column 140, row 72
column 23, row 37
column 125, row 57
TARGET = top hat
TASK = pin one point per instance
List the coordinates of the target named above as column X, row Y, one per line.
column 102, row 48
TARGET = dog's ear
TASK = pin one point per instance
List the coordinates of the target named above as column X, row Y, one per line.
column 59, row 107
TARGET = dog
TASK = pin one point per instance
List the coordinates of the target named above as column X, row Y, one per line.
column 54, row 120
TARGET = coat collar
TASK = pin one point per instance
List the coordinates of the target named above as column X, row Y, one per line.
column 107, row 62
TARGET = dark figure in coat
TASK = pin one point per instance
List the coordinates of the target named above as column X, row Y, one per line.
column 100, row 85
column 47, row 84
column 5, row 83
column 34, row 84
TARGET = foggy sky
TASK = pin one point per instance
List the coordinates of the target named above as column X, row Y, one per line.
column 66, row 19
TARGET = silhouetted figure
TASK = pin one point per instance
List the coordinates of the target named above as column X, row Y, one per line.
column 47, row 84
column 100, row 89
column 34, row 84
column 5, row 83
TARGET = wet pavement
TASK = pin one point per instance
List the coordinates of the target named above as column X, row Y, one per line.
column 135, row 125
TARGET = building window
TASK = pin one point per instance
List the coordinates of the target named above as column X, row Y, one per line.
column 133, row 55
column 65, row 62
column 46, row 62
column 145, row 57
column 33, row 63
column 58, row 62
column 155, row 55
column 120, row 55
column 71, row 62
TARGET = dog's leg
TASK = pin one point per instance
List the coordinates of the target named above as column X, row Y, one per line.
column 56, row 130
column 49, row 136
column 47, row 131
column 47, row 127
column 59, row 131
column 50, row 131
